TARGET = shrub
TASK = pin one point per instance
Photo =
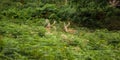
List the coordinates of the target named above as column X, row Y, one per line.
column 41, row 31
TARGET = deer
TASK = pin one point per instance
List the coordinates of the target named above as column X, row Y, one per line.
column 113, row 3
column 69, row 30
column 49, row 26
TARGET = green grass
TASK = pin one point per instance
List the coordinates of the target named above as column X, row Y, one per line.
column 27, row 40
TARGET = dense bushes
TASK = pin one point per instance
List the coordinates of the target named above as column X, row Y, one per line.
column 94, row 14
column 23, row 35
column 86, row 13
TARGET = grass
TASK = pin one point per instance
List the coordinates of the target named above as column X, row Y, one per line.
column 27, row 40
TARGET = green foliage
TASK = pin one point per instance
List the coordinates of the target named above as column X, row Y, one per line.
column 94, row 14
column 16, row 13
column 47, row 11
column 42, row 31
column 90, row 13
column 66, row 13
column 27, row 41
column 24, row 37
column 1, row 43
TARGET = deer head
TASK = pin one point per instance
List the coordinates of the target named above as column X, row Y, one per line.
column 53, row 25
column 69, row 30
column 66, row 26
column 113, row 3
column 49, row 26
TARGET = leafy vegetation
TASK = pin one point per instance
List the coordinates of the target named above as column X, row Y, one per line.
column 23, row 33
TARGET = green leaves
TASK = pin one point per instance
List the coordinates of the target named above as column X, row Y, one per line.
column 23, row 35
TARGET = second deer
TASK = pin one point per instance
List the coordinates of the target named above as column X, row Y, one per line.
column 114, row 3
column 69, row 30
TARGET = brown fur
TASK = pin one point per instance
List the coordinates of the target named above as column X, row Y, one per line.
column 50, row 26
column 69, row 30
column 114, row 3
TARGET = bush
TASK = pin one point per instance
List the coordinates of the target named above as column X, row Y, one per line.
column 41, row 31
column 94, row 15
column 1, row 43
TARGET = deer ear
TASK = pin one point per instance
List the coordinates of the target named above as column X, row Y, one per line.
column 64, row 23
column 68, row 23
column 117, row 2
column 54, row 22
column 110, row 2
column 113, row 1
column 47, row 21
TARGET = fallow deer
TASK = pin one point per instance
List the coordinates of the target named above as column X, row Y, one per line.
column 113, row 3
column 49, row 26
column 69, row 30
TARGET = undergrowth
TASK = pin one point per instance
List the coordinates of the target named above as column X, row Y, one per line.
column 28, row 41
